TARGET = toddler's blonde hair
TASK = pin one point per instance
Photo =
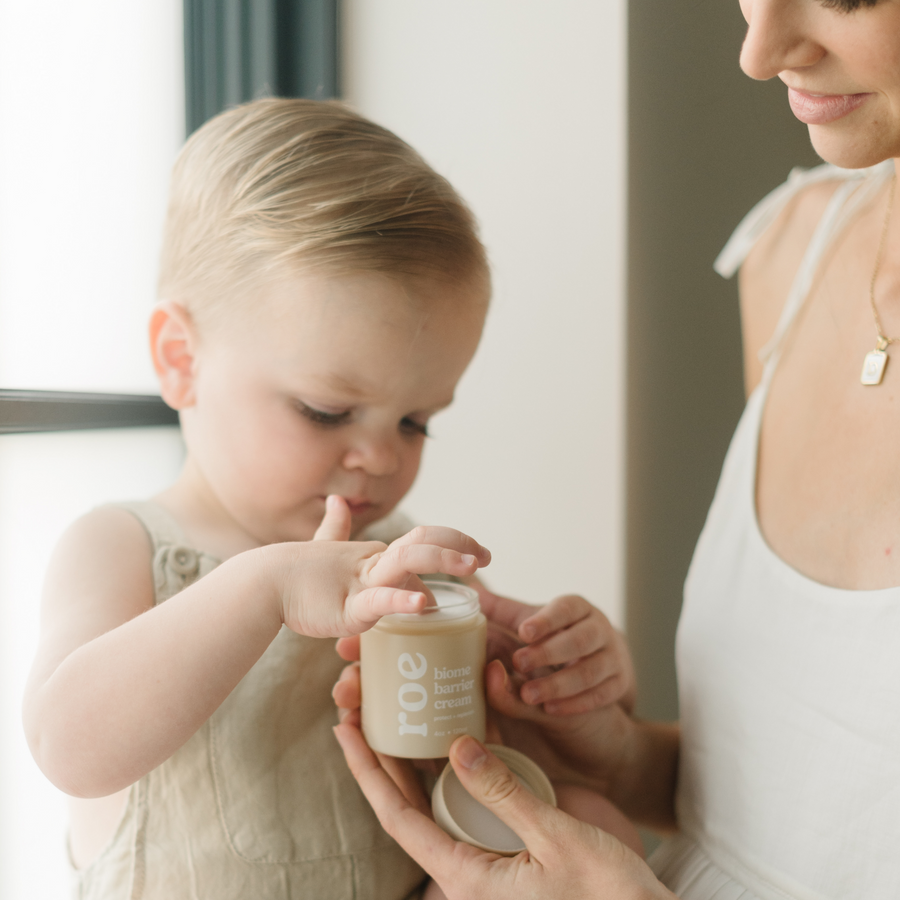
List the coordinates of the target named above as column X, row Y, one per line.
column 278, row 186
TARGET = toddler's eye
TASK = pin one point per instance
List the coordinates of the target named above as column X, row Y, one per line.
column 319, row 417
column 410, row 426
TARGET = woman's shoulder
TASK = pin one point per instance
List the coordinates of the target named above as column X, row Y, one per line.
column 769, row 248
column 805, row 190
column 771, row 265
column 776, row 254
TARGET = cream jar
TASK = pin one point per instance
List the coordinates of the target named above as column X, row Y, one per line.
column 423, row 676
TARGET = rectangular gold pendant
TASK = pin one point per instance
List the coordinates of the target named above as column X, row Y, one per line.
column 873, row 367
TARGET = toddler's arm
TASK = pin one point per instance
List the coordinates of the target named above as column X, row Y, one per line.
column 118, row 684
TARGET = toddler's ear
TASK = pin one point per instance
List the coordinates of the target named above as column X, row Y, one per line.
column 173, row 344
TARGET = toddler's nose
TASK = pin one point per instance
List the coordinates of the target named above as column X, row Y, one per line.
column 375, row 457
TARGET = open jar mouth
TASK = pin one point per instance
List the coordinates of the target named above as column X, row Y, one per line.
column 451, row 601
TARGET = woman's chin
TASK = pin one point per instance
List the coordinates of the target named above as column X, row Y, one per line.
column 849, row 149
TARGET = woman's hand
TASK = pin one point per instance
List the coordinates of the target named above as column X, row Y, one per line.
column 332, row 586
column 565, row 859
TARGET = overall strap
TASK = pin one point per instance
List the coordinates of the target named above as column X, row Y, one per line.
column 176, row 564
column 162, row 529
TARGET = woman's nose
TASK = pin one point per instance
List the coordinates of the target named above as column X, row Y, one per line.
column 376, row 456
column 778, row 37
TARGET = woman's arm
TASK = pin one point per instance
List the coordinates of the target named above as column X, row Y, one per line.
column 118, row 684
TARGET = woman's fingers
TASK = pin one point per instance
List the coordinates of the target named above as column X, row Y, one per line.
column 503, row 695
column 337, row 521
column 348, row 648
column 427, row 844
column 346, row 692
column 493, row 785
column 403, row 774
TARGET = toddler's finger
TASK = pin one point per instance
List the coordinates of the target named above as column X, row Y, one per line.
column 348, row 648
column 609, row 693
column 337, row 521
column 397, row 562
column 590, row 672
column 368, row 606
column 449, row 538
column 581, row 639
column 504, row 611
column 559, row 613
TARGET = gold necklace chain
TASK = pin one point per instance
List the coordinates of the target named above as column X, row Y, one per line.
column 876, row 360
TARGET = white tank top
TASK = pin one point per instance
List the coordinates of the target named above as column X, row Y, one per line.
column 789, row 782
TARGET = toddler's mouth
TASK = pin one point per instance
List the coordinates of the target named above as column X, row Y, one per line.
column 356, row 505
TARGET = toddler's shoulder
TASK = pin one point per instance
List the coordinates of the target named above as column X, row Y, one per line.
column 107, row 532
column 99, row 577
column 104, row 556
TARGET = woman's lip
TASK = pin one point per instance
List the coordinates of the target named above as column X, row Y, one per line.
column 820, row 109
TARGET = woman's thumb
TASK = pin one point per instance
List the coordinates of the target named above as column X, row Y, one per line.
column 336, row 523
column 495, row 787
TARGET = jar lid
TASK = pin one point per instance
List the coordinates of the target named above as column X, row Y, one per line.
column 465, row 819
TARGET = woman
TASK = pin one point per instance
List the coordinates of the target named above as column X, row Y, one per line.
column 789, row 772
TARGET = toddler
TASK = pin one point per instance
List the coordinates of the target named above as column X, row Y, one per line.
column 322, row 291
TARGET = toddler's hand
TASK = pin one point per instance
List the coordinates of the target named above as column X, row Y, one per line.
column 332, row 587
column 573, row 660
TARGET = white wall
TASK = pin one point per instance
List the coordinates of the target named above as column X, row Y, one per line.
column 521, row 104
column 92, row 113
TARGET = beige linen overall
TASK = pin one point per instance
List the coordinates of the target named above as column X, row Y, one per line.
column 259, row 803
